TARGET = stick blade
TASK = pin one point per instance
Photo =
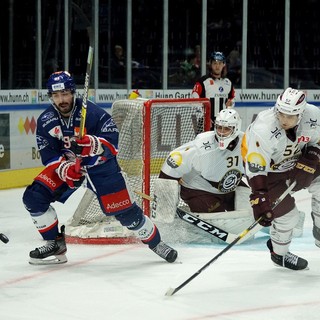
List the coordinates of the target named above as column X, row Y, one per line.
column 170, row 292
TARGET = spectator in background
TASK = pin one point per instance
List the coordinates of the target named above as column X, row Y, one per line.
column 234, row 66
column 190, row 70
column 215, row 86
column 118, row 63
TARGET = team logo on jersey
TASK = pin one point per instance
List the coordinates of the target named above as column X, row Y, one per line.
column 41, row 142
column 207, row 145
column 109, row 126
column 47, row 116
column 56, row 132
column 285, row 165
column 313, row 123
column 230, row 181
column 256, row 162
column 174, row 160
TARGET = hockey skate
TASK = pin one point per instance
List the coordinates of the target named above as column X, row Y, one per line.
column 165, row 252
column 53, row 252
column 290, row 260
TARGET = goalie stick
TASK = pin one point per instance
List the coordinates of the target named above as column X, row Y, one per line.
column 172, row 291
column 195, row 219
column 214, row 230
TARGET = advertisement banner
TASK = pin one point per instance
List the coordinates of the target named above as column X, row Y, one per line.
column 4, row 141
column 24, row 151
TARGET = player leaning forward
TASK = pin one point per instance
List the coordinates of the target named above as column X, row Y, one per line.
column 57, row 127
column 282, row 146
column 209, row 170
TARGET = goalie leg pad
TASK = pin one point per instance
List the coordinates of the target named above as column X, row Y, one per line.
column 166, row 199
column 242, row 195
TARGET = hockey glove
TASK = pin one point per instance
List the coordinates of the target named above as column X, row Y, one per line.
column 306, row 166
column 87, row 146
column 260, row 204
column 67, row 172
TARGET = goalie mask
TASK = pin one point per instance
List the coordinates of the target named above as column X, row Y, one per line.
column 60, row 81
column 227, row 127
column 291, row 102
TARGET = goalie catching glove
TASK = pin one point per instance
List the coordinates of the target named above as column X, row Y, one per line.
column 88, row 146
column 68, row 172
column 261, row 206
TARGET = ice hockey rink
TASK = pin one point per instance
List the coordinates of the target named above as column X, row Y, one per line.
column 127, row 282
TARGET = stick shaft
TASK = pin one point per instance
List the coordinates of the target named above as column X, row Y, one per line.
column 85, row 93
column 83, row 114
column 172, row 291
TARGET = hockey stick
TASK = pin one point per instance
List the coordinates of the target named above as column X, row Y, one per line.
column 211, row 229
column 172, row 291
column 201, row 224
column 83, row 114
column 4, row 238
column 85, row 93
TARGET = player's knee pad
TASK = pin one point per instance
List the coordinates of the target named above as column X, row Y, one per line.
column 315, row 206
column 131, row 218
column 36, row 198
column 287, row 221
column 314, row 188
column 281, row 231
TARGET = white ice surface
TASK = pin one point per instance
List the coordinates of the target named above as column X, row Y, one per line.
column 126, row 282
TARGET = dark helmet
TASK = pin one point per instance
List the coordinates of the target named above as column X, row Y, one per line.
column 217, row 56
column 59, row 81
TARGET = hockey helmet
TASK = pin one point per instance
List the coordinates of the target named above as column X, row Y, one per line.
column 230, row 119
column 291, row 102
column 59, row 81
column 217, row 56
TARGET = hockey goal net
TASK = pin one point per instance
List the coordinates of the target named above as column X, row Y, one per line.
column 148, row 131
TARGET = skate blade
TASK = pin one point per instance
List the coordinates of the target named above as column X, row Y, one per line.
column 58, row 259
column 285, row 268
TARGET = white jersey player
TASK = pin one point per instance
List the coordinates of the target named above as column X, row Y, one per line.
column 279, row 147
column 210, row 168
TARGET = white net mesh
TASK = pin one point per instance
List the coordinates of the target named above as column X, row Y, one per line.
column 149, row 130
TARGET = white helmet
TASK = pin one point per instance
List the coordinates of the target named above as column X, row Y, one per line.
column 292, row 102
column 227, row 118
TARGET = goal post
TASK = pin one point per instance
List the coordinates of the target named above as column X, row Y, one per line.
column 148, row 130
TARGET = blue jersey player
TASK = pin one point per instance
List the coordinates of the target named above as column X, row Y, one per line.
column 60, row 148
